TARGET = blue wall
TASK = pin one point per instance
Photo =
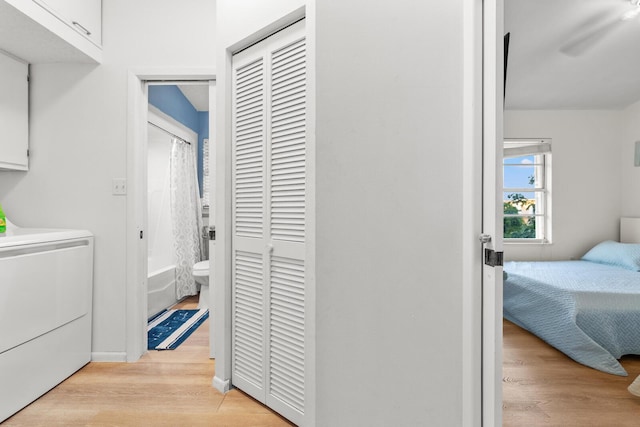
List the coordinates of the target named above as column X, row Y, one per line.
column 171, row 101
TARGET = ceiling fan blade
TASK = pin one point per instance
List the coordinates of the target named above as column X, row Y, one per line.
column 580, row 45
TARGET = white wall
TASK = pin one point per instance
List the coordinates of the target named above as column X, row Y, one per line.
column 389, row 213
column 630, row 173
column 586, row 176
column 388, row 334
column 78, row 139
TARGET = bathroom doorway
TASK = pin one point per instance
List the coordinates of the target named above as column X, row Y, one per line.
column 177, row 194
column 156, row 121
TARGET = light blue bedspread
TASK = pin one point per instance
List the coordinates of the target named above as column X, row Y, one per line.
column 589, row 311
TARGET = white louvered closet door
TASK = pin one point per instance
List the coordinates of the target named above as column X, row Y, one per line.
column 269, row 191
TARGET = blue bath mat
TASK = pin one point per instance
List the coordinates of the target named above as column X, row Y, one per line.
column 170, row 328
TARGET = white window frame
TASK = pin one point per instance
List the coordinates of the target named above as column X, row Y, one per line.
column 540, row 148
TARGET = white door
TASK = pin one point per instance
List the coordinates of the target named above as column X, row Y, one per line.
column 268, row 245
column 492, row 226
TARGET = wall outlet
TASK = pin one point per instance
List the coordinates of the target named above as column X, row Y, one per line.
column 119, row 186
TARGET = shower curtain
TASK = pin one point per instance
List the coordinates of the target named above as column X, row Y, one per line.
column 186, row 214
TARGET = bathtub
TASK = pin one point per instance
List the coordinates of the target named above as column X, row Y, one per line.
column 161, row 290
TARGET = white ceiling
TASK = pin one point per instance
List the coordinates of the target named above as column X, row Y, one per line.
column 548, row 67
column 553, row 64
column 197, row 94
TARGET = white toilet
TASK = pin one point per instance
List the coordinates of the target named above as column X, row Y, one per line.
column 201, row 275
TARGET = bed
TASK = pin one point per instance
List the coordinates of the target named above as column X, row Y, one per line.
column 589, row 308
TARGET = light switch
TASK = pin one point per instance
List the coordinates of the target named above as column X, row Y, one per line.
column 119, row 187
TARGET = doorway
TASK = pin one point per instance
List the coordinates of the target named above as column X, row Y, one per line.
column 567, row 99
column 137, row 199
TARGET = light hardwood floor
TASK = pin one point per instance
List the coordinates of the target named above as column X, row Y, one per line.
column 543, row 387
column 164, row 388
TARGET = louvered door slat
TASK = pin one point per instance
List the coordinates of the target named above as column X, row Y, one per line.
column 291, row 223
column 284, row 58
column 294, row 83
column 288, row 119
column 289, row 100
column 293, row 110
column 287, row 356
column 249, row 133
column 249, row 148
column 289, row 72
column 284, row 163
column 250, row 111
column 293, row 127
column 250, row 106
column 285, row 53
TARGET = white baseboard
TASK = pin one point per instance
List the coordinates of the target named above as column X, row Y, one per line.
column 99, row 356
column 223, row 386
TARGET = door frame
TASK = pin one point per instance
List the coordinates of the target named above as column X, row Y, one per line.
column 136, row 246
column 492, row 216
column 472, row 166
column 482, row 285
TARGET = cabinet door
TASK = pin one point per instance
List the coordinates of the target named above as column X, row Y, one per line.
column 14, row 113
column 85, row 16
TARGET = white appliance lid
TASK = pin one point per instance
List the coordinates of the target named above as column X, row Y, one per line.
column 16, row 236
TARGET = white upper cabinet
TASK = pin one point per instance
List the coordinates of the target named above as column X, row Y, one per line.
column 14, row 116
column 44, row 31
column 85, row 16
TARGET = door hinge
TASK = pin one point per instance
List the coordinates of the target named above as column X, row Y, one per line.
column 493, row 258
column 484, row 238
column 141, row 234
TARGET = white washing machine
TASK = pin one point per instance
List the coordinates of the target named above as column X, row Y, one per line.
column 46, row 288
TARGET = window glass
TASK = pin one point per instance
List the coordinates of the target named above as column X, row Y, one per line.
column 525, row 196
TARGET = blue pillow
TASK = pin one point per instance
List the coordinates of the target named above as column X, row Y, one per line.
column 625, row 255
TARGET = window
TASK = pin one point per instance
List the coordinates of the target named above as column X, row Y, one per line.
column 205, row 173
column 527, row 195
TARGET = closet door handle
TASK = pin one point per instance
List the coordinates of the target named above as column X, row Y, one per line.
column 82, row 27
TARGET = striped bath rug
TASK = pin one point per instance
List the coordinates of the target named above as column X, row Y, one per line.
column 170, row 328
